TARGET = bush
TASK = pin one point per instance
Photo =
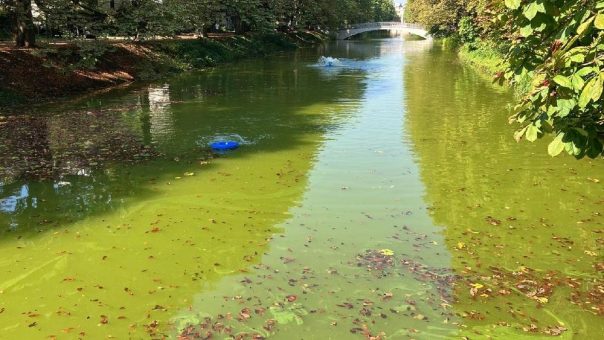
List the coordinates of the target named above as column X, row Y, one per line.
column 467, row 31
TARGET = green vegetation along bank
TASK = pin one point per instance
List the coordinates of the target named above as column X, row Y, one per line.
column 550, row 51
column 27, row 20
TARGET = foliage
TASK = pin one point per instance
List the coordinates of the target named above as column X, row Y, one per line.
column 8, row 98
column 558, row 44
column 82, row 55
column 440, row 16
column 140, row 19
column 485, row 55
column 467, row 31
column 4, row 24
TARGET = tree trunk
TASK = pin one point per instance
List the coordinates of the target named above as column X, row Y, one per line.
column 24, row 30
column 237, row 24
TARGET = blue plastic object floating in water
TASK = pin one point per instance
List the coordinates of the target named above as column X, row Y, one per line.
column 224, row 145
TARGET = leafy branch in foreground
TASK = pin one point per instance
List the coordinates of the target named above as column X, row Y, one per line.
column 560, row 46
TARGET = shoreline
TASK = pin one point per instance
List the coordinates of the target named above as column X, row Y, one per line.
column 53, row 73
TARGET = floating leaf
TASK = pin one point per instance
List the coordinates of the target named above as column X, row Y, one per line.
column 386, row 252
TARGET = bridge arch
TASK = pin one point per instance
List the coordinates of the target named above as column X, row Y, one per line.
column 382, row 26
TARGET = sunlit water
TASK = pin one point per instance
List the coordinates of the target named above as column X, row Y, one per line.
column 382, row 196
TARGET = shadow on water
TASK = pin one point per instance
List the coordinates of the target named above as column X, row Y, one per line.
column 359, row 256
column 112, row 218
column 57, row 168
column 523, row 227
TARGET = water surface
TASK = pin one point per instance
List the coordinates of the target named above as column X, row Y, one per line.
column 380, row 197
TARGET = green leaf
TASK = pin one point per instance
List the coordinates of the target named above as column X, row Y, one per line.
column 585, row 97
column 577, row 58
column 563, row 81
column 581, row 131
column 584, row 26
column 556, row 146
column 532, row 133
column 565, row 106
column 578, row 82
column 599, row 21
column 526, row 31
column 589, row 91
column 586, row 71
column 530, row 11
column 518, row 134
column 512, row 4
column 596, row 92
column 572, row 148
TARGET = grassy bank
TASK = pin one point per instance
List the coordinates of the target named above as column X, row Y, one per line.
column 55, row 71
column 484, row 56
column 489, row 59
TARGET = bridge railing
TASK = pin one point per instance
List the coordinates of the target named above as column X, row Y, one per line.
column 385, row 24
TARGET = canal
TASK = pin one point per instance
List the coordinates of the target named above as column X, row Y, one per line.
column 383, row 196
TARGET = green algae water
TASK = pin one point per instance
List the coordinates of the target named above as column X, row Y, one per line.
column 383, row 197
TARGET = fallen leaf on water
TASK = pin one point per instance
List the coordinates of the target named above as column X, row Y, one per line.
column 387, row 252
column 104, row 320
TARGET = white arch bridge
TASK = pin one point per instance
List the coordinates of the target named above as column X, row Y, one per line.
column 383, row 26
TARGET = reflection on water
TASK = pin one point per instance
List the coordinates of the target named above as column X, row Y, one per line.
column 130, row 243
column 386, row 199
column 359, row 254
column 523, row 227
column 161, row 120
column 17, row 201
column 64, row 163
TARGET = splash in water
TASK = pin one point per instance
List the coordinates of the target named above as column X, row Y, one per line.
column 204, row 141
column 329, row 61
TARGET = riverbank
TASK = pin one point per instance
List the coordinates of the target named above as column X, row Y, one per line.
column 484, row 56
column 489, row 59
column 57, row 71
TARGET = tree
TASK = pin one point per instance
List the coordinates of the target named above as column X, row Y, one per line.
column 560, row 45
column 145, row 18
column 441, row 17
column 21, row 19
